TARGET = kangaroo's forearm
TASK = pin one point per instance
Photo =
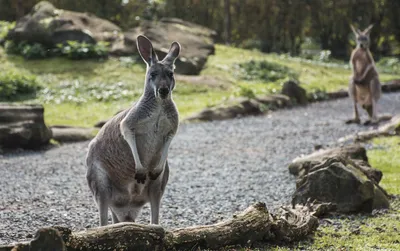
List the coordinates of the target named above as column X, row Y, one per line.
column 366, row 71
column 164, row 155
column 130, row 138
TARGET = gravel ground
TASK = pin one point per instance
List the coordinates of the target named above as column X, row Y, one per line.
column 217, row 168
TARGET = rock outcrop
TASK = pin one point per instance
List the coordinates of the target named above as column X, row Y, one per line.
column 50, row 26
column 197, row 42
column 295, row 92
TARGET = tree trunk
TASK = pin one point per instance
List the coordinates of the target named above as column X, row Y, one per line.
column 227, row 7
column 19, row 9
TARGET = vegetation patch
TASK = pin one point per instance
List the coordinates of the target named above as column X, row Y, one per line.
column 93, row 90
column 265, row 71
column 79, row 92
column 389, row 65
column 16, row 85
column 72, row 50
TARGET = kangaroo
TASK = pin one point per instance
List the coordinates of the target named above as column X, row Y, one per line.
column 126, row 162
column 364, row 86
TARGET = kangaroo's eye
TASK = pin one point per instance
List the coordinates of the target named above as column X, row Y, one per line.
column 170, row 74
column 153, row 75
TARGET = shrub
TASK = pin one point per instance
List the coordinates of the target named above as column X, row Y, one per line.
column 71, row 50
column 5, row 27
column 15, row 85
column 80, row 92
column 265, row 71
column 76, row 50
column 246, row 92
column 389, row 65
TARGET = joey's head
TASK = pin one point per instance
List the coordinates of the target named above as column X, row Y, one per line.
column 362, row 37
column 159, row 74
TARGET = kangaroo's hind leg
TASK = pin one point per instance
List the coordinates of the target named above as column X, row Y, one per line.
column 353, row 97
column 156, row 191
column 375, row 94
column 99, row 185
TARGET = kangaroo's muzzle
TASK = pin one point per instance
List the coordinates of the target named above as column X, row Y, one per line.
column 163, row 92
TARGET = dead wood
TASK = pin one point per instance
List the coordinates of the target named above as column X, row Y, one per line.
column 254, row 225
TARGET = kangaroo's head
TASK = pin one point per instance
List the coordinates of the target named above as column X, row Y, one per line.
column 159, row 74
column 362, row 37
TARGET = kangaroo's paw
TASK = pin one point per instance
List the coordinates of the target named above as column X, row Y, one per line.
column 140, row 177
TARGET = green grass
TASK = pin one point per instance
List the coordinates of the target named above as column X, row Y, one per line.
column 386, row 157
column 104, row 87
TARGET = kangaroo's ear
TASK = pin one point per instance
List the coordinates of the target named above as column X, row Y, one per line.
column 355, row 31
column 173, row 53
column 146, row 50
column 367, row 31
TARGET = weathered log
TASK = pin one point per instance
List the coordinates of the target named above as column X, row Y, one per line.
column 292, row 225
column 250, row 226
column 121, row 236
column 255, row 224
column 389, row 129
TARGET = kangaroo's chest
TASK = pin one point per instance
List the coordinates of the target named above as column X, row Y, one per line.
column 151, row 136
column 361, row 61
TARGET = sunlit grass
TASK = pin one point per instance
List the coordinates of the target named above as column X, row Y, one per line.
column 191, row 96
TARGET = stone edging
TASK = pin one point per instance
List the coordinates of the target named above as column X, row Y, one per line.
column 240, row 107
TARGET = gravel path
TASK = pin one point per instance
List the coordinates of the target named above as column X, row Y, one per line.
column 217, row 168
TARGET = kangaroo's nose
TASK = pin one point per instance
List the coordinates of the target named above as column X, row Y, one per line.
column 163, row 91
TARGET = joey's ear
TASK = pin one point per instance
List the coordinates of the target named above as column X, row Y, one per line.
column 355, row 31
column 367, row 31
column 146, row 50
column 173, row 54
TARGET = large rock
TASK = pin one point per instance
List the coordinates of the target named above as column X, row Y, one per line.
column 22, row 126
column 48, row 25
column 197, row 42
column 295, row 92
column 240, row 107
column 341, row 176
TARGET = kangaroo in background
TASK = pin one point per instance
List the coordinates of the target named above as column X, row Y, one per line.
column 127, row 163
column 364, row 87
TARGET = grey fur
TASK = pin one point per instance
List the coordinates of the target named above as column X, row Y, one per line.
column 127, row 160
column 364, row 85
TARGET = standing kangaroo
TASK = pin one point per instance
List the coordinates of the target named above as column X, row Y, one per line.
column 364, row 87
column 127, row 160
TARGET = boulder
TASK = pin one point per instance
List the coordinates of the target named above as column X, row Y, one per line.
column 22, row 126
column 340, row 176
column 241, row 106
column 197, row 42
column 48, row 25
column 295, row 92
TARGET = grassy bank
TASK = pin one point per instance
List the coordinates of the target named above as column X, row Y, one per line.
column 83, row 92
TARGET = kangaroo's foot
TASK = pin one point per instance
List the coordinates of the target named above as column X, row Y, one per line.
column 353, row 121
column 371, row 122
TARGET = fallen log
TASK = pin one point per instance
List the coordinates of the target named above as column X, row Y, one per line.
column 254, row 225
